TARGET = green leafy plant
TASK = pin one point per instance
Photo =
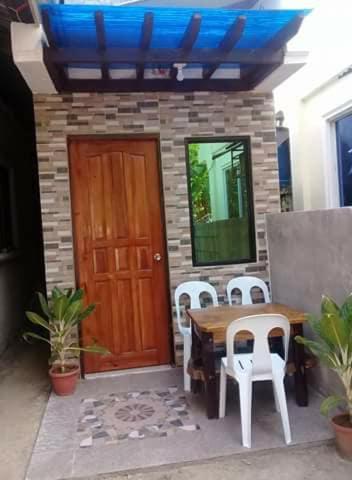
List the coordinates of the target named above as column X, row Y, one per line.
column 62, row 314
column 199, row 185
column 333, row 347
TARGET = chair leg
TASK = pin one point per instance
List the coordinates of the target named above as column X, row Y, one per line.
column 277, row 406
column 281, row 396
column 245, row 387
column 222, row 401
column 187, row 343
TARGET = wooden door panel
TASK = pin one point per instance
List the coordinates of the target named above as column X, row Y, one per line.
column 127, row 319
column 122, row 259
column 118, row 228
column 100, row 260
column 145, row 294
column 119, row 197
column 144, row 259
column 96, row 191
column 102, row 292
column 138, row 197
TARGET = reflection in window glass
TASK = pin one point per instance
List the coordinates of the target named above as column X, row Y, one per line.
column 220, row 201
column 344, row 150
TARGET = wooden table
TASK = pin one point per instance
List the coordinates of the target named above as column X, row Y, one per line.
column 209, row 330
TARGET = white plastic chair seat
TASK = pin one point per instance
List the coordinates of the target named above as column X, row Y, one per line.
column 193, row 290
column 245, row 285
column 260, row 365
column 243, row 365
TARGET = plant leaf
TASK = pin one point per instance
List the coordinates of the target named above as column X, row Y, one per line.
column 329, row 403
column 68, row 293
column 88, row 311
column 77, row 295
column 328, row 305
column 333, row 331
column 28, row 335
column 38, row 320
column 91, row 349
column 60, row 305
column 56, row 293
column 72, row 312
column 317, row 349
column 44, row 304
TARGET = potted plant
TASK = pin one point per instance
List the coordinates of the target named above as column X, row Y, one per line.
column 333, row 346
column 62, row 315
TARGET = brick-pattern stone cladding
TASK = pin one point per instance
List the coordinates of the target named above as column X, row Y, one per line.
column 173, row 116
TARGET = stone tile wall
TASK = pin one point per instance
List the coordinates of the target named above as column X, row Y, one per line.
column 173, row 116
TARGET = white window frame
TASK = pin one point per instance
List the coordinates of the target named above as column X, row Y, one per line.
column 330, row 157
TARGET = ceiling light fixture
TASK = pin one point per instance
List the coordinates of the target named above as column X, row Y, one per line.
column 180, row 67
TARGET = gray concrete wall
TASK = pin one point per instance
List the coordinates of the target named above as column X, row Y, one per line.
column 21, row 265
column 11, row 298
column 310, row 254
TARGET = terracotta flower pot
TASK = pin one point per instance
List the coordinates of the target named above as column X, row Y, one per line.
column 343, row 431
column 64, row 383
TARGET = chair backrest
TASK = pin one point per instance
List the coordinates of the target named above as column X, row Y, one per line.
column 193, row 289
column 259, row 326
column 245, row 285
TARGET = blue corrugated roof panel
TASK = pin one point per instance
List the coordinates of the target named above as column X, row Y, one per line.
column 74, row 25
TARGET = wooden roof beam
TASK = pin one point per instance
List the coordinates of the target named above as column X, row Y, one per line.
column 146, row 39
column 154, row 85
column 101, row 41
column 205, row 56
column 258, row 73
column 285, row 34
column 229, row 41
column 189, row 38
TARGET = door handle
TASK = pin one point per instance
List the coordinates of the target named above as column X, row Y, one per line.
column 157, row 257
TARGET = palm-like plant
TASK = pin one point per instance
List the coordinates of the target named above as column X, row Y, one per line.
column 334, row 347
column 63, row 312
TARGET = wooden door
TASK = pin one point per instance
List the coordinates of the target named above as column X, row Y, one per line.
column 120, row 251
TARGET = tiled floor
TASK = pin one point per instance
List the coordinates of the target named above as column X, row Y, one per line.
column 144, row 420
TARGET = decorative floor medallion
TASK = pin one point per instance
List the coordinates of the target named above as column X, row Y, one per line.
column 116, row 418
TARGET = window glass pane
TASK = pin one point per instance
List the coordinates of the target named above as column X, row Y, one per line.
column 220, row 201
column 283, row 156
column 344, row 150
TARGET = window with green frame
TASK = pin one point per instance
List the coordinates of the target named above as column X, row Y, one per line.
column 221, row 203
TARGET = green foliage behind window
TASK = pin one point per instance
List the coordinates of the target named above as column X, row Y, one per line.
column 219, row 183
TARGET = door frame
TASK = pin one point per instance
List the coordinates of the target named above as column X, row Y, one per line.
column 138, row 137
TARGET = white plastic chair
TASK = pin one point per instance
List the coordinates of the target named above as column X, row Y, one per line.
column 193, row 289
column 245, row 285
column 257, row 366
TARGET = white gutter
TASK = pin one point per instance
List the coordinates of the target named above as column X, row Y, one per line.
column 27, row 51
column 293, row 61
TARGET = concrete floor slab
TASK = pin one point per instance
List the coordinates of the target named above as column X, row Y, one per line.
column 318, row 462
column 60, row 429
column 24, row 390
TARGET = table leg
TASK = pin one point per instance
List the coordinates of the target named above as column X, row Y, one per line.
column 210, row 384
column 301, row 387
column 196, row 385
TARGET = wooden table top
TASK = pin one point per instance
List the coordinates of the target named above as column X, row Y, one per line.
column 216, row 319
